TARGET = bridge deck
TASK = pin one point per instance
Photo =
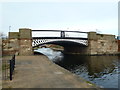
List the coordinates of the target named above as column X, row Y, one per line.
column 39, row 72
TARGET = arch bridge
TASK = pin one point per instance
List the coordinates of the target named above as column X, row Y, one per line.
column 62, row 38
column 90, row 43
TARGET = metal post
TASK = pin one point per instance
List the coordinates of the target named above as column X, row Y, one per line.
column 5, row 69
column 62, row 34
column 12, row 66
column 14, row 61
column 11, row 69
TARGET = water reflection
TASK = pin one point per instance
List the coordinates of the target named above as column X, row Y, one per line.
column 101, row 70
column 99, row 65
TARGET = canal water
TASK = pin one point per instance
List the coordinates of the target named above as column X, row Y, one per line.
column 101, row 70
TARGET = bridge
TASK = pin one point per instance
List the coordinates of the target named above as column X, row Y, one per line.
column 61, row 39
column 23, row 42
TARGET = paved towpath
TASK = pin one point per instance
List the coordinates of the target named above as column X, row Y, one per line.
column 39, row 72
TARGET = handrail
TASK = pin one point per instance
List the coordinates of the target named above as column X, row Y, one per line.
column 59, row 38
column 59, row 31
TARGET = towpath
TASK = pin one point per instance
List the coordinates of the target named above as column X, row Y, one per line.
column 39, row 72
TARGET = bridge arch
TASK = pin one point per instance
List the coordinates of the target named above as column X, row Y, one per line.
column 70, row 46
column 61, row 42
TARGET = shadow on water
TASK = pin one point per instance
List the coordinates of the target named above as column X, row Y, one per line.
column 101, row 70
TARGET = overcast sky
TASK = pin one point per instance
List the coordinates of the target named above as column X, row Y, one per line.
column 62, row 15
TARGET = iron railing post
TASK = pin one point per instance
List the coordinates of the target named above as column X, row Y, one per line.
column 12, row 66
column 62, row 34
column 14, row 61
column 11, row 69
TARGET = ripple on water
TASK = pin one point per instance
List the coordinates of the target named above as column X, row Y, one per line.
column 101, row 70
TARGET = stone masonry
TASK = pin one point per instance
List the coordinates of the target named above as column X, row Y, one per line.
column 25, row 42
column 10, row 46
column 102, row 43
column 21, row 43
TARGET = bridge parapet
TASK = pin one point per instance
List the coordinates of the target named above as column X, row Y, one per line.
column 13, row 35
column 96, row 36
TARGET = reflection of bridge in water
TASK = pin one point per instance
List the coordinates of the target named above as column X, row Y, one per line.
column 62, row 39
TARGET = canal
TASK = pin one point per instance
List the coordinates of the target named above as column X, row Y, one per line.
column 101, row 70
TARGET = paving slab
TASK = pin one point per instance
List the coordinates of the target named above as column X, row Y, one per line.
column 40, row 72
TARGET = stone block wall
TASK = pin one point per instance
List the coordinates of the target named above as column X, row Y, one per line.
column 10, row 46
column 107, row 46
column 19, row 43
column 25, row 33
column 25, row 47
column 25, row 41
column 102, row 44
column 92, row 47
column 13, row 35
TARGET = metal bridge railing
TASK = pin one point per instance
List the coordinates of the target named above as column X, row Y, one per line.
column 8, row 67
column 63, row 34
column 78, row 37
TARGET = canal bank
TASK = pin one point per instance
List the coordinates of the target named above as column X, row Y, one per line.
column 40, row 72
